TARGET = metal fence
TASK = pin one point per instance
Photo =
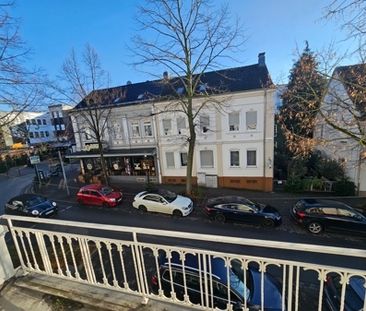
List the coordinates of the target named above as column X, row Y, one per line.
column 157, row 264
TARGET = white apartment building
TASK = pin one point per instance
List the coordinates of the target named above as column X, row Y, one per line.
column 234, row 146
column 342, row 107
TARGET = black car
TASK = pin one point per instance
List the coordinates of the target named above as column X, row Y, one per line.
column 31, row 205
column 319, row 215
column 241, row 209
column 354, row 294
column 243, row 286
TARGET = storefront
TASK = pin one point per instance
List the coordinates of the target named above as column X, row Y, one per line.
column 126, row 164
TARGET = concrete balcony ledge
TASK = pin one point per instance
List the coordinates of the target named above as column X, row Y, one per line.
column 31, row 293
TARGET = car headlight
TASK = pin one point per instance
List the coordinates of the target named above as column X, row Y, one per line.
column 35, row 212
column 54, row 204
column 112, row 199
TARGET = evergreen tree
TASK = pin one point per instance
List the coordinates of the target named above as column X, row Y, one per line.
column 301, row 102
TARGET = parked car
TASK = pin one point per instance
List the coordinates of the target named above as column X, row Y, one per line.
column 354, row 294
column 319, row 215
column 241, row 289
column 241, row 209
column 31, row 205
column 163, row 202
column 98, row 195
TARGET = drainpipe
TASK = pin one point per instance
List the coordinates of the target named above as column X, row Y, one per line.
column 264, row 138
column 359, row 170
column 157, row 144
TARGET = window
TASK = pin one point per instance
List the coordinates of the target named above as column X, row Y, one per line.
column 36, row 134
column 251, row 157
column 34, row 122
column 39, row 122
column 153, row 198
column 59, row 114
column 135, row 129
column 167, row 126
column 44, row 122
column 95, row 193
column 332, row 211
column 147, row 128
column 183, row 159
column 117, row 130
column 170, row 159
column 234, row 121
column 204, row 123
column 251, row 119
column 47, row 133
column 42, row 134
column 181, row 124
column 206, row 158
column 87, row 134
column 62, row 127
column 28, row 122
column 31, row 135
column 234, row 159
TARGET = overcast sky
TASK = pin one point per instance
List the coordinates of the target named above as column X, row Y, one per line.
column 52, row 28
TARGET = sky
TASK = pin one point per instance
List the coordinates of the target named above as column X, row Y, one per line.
column 52, row 29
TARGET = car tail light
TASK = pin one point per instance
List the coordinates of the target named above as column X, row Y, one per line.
column 154, row 280
column 300, row 214
column 208, row 209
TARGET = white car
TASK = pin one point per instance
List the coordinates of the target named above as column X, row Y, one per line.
column 163, row 202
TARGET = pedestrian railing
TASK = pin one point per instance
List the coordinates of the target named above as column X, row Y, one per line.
column 130, row 260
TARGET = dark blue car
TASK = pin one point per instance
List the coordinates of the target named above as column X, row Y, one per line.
column 243, row 286
column 31, row 205
column 240, row 209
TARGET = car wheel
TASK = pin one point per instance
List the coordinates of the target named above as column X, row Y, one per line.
column 220, row 218
column 315, row 227
column 177, row 213
column 267, row 222
column 106, row 205
column 142, row 209
column 80, row 202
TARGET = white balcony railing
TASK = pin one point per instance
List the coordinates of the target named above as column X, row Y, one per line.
column 127, row 259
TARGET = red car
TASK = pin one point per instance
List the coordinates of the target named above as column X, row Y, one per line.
column 99, row 195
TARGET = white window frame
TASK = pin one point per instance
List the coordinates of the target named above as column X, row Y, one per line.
column 207, row 165
column 256, row 160
column 181, row 158
column 236, row 126
column 204, row 127
column 135, row 129
column 249, row 127
column 146, row 125
column 181, row 120
column 167, row 161
column 234, row 150
column 167, row 130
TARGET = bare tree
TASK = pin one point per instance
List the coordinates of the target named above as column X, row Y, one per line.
column 188, row 38
column 20, row 88
column 83, row 78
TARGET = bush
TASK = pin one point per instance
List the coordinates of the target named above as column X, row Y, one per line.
column 344, row 187
column 294, row 184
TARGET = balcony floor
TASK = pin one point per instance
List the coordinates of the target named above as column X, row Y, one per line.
column 35, row 292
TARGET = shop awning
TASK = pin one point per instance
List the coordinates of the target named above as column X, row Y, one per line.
column 113, row 153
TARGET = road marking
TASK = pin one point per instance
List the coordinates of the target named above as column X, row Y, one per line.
column 65, row 209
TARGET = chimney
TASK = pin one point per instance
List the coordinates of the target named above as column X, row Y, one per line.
column 262, row 59
column 166, row 75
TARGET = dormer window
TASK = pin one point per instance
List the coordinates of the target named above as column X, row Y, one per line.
column 180, row 90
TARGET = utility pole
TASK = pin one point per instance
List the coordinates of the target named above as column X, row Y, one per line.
column 63, row 172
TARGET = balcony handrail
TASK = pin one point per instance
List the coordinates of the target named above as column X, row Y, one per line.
column 321, row 249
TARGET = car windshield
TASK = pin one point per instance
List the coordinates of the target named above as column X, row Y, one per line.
column 35, row 201
column 237, row 279
column 106, row 190
column 169, row 196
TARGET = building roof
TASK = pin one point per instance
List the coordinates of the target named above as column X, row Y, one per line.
column 354, row 79
column 230, row 80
